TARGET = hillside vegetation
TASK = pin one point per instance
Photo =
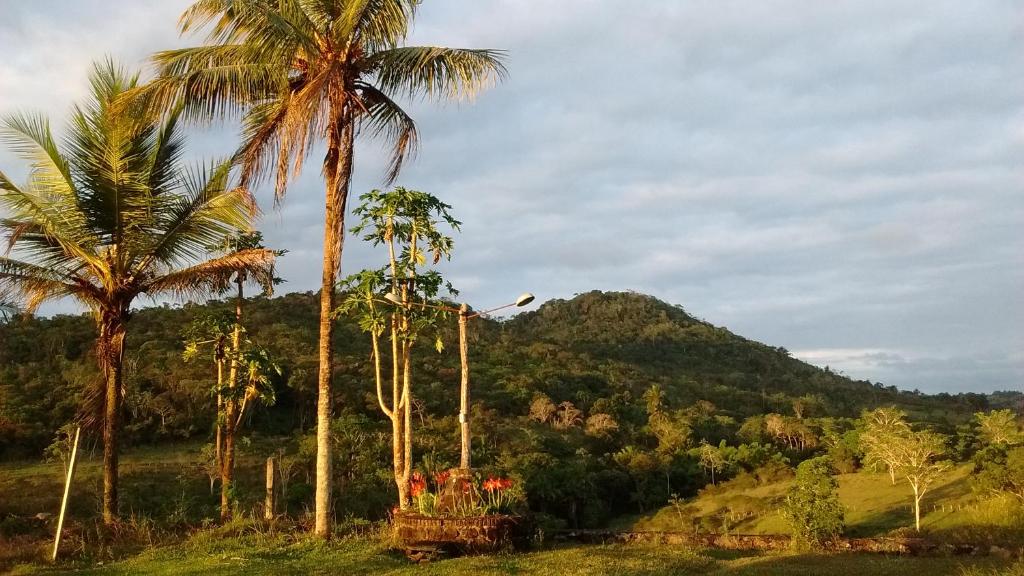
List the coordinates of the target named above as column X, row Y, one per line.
column 597, row 404
column 595, row 346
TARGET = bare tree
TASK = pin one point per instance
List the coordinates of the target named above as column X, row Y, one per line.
column 998, row 427
column 711, row 459
column 601, row 425
column 919, row 456
column 542, row 409
column 883, row 428
column 567, row 416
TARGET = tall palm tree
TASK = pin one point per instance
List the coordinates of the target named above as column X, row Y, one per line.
column 109, row 216
column 299, row 72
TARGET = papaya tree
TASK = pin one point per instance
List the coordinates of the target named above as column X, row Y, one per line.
column 249, row 365
column 401, row 300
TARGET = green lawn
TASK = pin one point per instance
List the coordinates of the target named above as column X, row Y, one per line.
column 210, row 554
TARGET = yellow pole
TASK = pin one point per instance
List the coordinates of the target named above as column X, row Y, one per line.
column 67, row 491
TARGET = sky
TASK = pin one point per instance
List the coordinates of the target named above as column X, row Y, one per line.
column 843, row 179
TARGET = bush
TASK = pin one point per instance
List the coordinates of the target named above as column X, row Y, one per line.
column 813, row 509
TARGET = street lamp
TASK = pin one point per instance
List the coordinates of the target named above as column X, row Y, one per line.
column 464, row 316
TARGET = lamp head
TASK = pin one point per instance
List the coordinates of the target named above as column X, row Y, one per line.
column 393, row 298
column 524, row 299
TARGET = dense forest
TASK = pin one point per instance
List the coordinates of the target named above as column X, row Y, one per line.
column 584, row 400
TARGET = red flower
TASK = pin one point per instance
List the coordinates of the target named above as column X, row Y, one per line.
column 418, row 484
column 441, row 477
column 492, row 484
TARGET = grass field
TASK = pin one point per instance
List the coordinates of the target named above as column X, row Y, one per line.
column 256, row 554
column 163, row 491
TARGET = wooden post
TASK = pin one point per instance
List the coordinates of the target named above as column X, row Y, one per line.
column 67, row 491
column 269, row 507
column 464, row 388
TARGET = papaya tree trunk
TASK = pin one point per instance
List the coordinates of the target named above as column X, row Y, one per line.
column 227, row 468
column 338, row 172
column 406, row 426
column 218, row 438
column 111, row 356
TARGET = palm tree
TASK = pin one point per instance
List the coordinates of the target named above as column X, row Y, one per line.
column 299, row 72
column 109, row 216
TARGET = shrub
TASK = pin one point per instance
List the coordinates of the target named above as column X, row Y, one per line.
column 812, row 508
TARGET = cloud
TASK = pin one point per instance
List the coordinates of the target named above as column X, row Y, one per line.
column 830, row 176
column 947, row 374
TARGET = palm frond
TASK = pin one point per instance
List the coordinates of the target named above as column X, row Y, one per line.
column 52, row 226
column 31, row 284
column 435, row 72
column 387, row 120
column 112, row 154
column 29, row 136
column 214, row 275
column 210, row 81
column 167, row 151
column 379, row 24
column 268, row 25
column 207, row 211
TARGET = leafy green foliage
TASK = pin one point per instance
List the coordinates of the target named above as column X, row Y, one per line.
column 1000, row 470
column 569, row 474
column 812, row 508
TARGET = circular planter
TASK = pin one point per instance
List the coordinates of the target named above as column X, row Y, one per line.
column 471, row 535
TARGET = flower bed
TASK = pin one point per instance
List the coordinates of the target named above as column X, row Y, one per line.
column 463, row 514
column 466, row 535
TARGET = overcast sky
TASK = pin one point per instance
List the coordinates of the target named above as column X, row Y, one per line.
column 840, row 178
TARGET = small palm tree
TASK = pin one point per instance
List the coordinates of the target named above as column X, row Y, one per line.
column 110, row 216
column 300, row 72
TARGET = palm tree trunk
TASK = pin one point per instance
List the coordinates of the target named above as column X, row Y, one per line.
column 111, row 354
column 338, row 169
column 227, row 468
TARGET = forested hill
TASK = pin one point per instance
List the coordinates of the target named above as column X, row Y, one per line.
column 628, row 341
column 600, row 351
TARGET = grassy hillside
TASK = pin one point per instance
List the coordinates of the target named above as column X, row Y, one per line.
column 874, row 507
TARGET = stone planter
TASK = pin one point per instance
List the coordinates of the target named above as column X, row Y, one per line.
column 425, row 536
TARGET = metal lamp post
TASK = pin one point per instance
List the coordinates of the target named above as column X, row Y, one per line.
column 464, row 316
